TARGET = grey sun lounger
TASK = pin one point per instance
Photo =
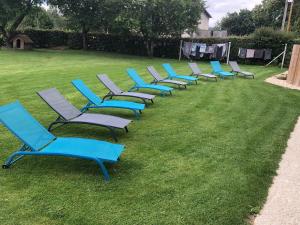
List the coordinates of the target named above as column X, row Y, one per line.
column 159, row 79
column 236, row 69
column 114, row 90
column 69, row 114
column 196, row 71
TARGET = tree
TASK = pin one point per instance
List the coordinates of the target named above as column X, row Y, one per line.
column 83, row 15
column 37, row 18
column 161, row 18
column 241, row 23
column 12, row 13
column 58, row 20
column 269, row 13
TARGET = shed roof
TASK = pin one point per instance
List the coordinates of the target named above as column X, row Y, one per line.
column 207, row 13
column 24, row 37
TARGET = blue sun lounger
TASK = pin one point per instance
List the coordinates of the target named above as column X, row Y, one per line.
column 37, row 141
column 96, row 102
column 141, row 84
column 173, row 75
column 217, row 70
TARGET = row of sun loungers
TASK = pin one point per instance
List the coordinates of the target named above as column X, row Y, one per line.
column 38, row 141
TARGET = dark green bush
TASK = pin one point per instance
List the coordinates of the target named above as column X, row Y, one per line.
column 268, row 34
column 163, row 47
column 47, row 38
column 1, row 41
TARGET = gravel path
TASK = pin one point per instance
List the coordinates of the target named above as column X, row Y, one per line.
column 283, row 203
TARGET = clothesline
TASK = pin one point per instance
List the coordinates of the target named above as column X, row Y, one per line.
column 203, row 50
column 265, row 54
column 193, row 50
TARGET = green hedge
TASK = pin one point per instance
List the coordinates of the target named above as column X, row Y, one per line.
column 1, row 41
column 164, row 47
column 48, row 39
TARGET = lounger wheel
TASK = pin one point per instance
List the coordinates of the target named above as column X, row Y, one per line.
column 5, row 167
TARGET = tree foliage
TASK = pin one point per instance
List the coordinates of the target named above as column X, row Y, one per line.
column 83, row 15
column 160, row 18
column 38, row 18
column 241, row 23
column 13, row 12
column 267, row 14
column 148, row 18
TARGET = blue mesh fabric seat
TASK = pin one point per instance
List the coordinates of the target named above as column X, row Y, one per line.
column 218, row 70
column 37, row 141
column 141, row 84
column 173, row 75
column 95, row 101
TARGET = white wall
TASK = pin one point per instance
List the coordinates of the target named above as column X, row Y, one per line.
column 204, row 22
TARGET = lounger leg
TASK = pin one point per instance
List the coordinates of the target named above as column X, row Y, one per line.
column 103, row 170
column 86, row 107
column 126, row 129
column 107, row 96
column 145, row 102
column 133, row 88
column 51, row 125
column 58, row 120
column 151, row 100
column 11, row 159
column 137, row 115
column 113, row 133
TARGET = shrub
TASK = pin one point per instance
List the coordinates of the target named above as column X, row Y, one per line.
column 1, row 41
column 268, row 34
column 163, row 47
column 47, row 38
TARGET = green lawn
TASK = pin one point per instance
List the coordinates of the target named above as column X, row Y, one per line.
column 207, row 155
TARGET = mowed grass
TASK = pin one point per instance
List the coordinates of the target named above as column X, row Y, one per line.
column 206, row 155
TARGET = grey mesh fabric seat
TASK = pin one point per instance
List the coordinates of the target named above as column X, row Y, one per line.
column 70, row 114
column 114, row 90
column 159, row 79
column 196, row 71
column 236, row 69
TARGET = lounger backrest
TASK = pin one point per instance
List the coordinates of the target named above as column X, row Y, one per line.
column 154, row 73
column 16, row 118
column 108, row 83
column 234, row 66
column 86, row 92
column 59, row 104
column 194, row 67
column 135, row 77
column 216, row 66
column 169, row 69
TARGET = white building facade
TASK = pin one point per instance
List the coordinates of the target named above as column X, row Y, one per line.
column 203, row 30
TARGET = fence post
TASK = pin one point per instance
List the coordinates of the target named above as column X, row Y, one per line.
column 180, row 50
column 283, row 58
column 228, row 53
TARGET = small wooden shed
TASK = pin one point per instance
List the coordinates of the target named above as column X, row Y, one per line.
column 22, row 41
